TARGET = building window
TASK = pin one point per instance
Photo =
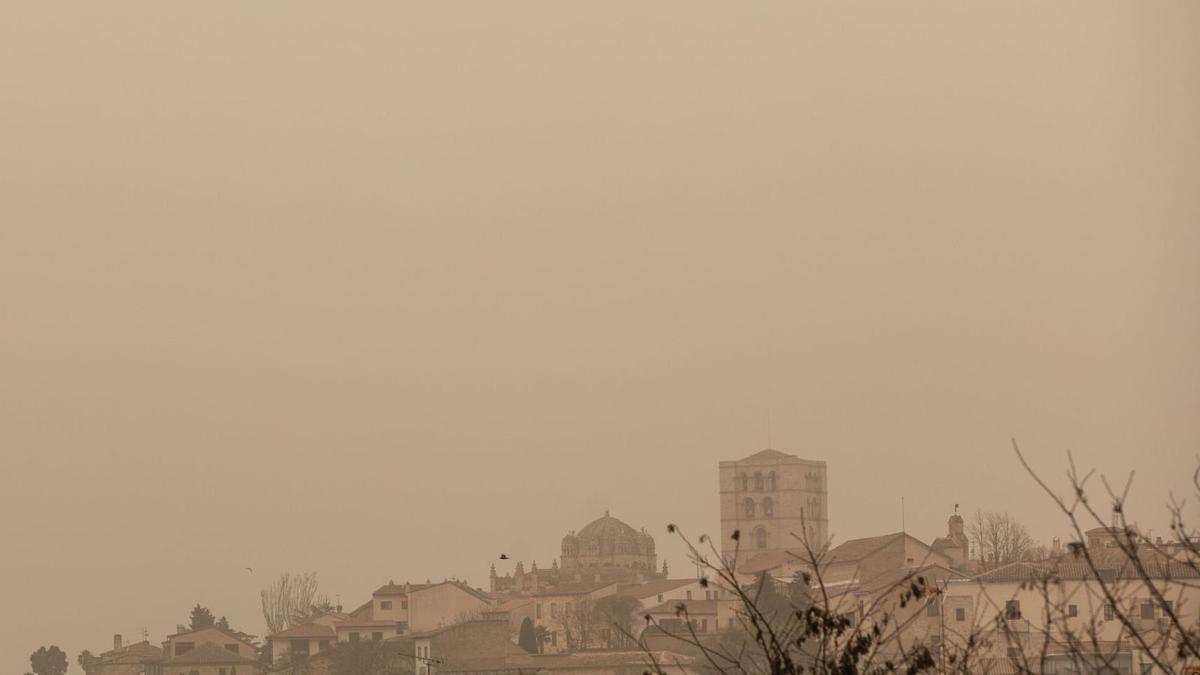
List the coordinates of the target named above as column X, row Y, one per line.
column 748, row 507
column 1147, row 610
column 1012, row 609
column 323, row 645
column 183, row 647
column 771, row 484
column 703, row 625
column 385, row 604
column 745, row 481
column 760, row 538
column 1109, row 612
column 404, row 603
column 660, row 597
column 960, row 614
column 354, row 636
column 537, row 611
column 758, row 481
column 768, row 507
column 299, row 648
column 377, row 635
column 689, row 595
column 1072, row 610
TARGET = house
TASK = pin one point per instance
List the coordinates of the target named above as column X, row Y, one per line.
column 305, row 640
column 184, row 641
column 462, row 646
column 139, row 658
column 1026, row 608
column 676, row 615
column 449, row 602
column 565, row 613
column 210, row 658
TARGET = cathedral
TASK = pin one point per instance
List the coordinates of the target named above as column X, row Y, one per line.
column 605, row 550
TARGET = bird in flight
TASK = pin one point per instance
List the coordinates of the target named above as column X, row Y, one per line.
column 504, row 556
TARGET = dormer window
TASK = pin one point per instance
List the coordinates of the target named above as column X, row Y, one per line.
column 385, row 604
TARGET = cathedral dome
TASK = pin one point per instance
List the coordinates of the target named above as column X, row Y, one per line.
column 607, row 529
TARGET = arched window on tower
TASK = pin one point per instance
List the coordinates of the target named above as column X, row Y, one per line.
column 758, row 481
column 748, row 507
column 771, row 481
column 768, row 507
column 760, row 538
column 745, row 481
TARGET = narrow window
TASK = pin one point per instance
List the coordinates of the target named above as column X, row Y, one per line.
column 377, row 635
column 758, row 481
column 385, row 604
column 745, row 482
column 748, row 507
column 760, row 538
column 1109, row 612
column 771, row 481
column 960, row 614
column 1072, row 610
column 1012, row 609
column 354, row 636
column 768, row 507
column 689, row 595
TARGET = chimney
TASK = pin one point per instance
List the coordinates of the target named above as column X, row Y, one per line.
column 117, row 642
column 1116, row 519
column 1056, row 546
column 180, row 628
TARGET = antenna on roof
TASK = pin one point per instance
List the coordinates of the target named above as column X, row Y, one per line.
column 768, row 427
column 902, row 526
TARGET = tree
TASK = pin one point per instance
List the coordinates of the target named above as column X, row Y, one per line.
column 291, row 601
column 48, row 661
column 616, row 613
column 527, row 639
column 999, row 539
column 201, row 617
column 86, row 660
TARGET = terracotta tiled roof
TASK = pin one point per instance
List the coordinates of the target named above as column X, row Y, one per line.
column 578, row 588
column 307, row 630
column 694, row 607
column 138, row 652
column 854, row 550
column 209, row 653
column 653, row 588
column 393, row 588
column 366, row 623
column 222, row 631
column 511, row 604
column 1078, row 569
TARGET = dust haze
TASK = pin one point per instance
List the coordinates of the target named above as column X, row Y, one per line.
column 382, row 291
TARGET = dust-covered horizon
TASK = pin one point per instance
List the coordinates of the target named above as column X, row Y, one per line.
column 383, row 292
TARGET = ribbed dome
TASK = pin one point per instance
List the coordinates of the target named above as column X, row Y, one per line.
column 607, row 528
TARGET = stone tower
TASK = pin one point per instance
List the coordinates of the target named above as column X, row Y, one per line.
column 769, row 497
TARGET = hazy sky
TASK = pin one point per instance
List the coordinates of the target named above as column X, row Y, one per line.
column 382, row 291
